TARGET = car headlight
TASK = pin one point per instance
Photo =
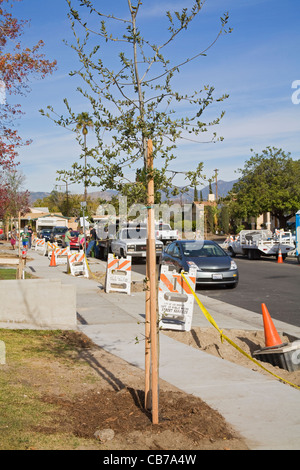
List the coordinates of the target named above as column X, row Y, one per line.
column 191, row 264
column 130, row 248
column 233, row 265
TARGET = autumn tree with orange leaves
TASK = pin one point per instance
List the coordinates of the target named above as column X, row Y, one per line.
column 18, row 65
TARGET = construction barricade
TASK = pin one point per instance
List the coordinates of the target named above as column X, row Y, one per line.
column 34, row 240
column 175, row 299
column 50, row 247
column 40, row 246
column 77, row 264
column 118, row 274
column 61, row 255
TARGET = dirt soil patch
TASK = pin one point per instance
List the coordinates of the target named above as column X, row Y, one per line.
column 96, row 402
column 209, row 340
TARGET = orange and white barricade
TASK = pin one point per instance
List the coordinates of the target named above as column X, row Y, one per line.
column 34, row 240
column 175, row 299
column 51, row 247
column 61, row 255
column 118, row 274
column 40, row 246
column 77, row 264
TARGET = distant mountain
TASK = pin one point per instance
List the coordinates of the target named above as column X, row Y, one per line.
column 37, row 195
column 223, row 189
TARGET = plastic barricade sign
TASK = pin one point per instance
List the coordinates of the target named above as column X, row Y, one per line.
column 40, row 246
column 77, row 264
column 175, row 299
column 61, row 255
column 50, row 248
column 118, row 274
column 33, row 242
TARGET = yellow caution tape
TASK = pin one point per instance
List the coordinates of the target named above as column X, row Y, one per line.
column 89, row 269
column 222, row 336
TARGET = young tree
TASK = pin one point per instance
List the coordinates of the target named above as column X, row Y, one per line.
column 269, row 183
column 136, row 112
column 135, row 102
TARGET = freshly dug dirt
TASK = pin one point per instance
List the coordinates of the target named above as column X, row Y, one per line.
column 108, row 397
column 208, row 340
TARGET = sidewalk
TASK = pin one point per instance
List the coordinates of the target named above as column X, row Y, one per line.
column 263, row 410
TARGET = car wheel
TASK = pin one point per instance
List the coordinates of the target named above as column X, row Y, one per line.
column 231, row 252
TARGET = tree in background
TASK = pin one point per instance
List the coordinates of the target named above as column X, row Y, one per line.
column 14, row 198
column 224, row 219
column 84, row 123
column 18, row 64
column 269, row 183
column 67, row 204
column 209, row 219
column 132, row 100
column 195, row 194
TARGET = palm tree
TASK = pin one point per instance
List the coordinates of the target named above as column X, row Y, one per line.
column 84, row 122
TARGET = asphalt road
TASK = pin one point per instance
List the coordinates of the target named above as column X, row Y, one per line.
column 261, row 281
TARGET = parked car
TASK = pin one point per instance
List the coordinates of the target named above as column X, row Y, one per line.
column 214, row 265
column 132, row 241
column 58, row 234
column 74, row 242
column 45, row 233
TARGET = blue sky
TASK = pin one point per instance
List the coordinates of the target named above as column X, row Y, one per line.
column 256, row 65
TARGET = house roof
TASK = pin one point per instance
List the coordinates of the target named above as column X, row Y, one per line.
column 41, row 215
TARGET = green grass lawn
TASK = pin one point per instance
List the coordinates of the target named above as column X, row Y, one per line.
column 33, row 358
column 10, row 273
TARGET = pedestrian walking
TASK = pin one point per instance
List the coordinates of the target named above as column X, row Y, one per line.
column 67, row 238
column 29, row 233
column 13, row 237
column 92, row 242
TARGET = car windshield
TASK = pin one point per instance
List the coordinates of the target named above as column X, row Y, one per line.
column 74, row 234
column 61, row 230
column 202, row 250
column 134, row 233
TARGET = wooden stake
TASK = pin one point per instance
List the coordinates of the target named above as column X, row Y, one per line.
column 147, row 336
column 151, row 257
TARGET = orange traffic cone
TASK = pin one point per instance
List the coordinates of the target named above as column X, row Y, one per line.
column 272, row 337
column 53, row 261
column 279, row 259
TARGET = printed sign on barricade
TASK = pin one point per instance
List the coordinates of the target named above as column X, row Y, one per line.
column 175, row 299
column 34, row 240
column 61, row 255
column 118, row 274
column 77, row 264
column 40, row 246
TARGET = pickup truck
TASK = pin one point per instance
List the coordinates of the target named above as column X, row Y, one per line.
column 132, row 241
column 257, row 243
column 164, row 233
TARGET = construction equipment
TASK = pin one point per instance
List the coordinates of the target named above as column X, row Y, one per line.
column 257, row 243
